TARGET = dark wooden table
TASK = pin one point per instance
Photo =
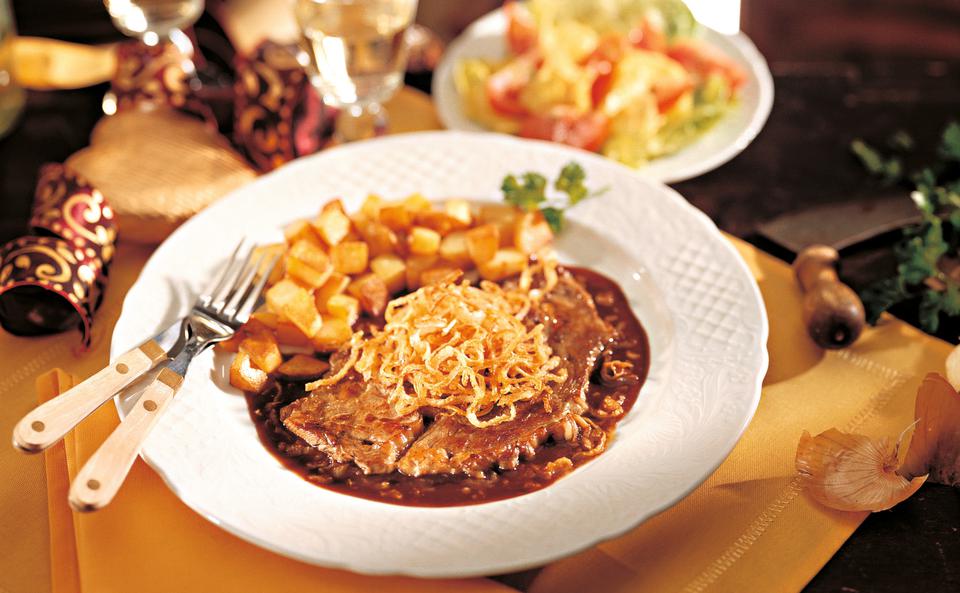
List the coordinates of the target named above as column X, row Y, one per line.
column 842, row 68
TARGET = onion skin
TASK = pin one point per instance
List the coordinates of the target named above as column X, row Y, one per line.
column 851, row 472
column 935, row 446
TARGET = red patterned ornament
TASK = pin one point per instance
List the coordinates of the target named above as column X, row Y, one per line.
column 154, row 76
column 54, row 280
column 65, row 205
column 45, row 288
column 278, row 115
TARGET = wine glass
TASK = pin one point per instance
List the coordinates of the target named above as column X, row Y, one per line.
column 358, row 53
column 153, row 21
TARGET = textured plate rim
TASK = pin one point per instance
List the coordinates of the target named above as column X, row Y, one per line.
column 533, row 559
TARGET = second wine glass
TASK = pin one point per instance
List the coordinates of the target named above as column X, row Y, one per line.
column 358, row 53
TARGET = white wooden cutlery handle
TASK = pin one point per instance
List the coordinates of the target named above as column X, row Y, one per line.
column 50, row 421
column 101, row 476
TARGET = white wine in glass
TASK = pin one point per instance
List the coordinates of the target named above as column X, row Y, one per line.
column 358, row 53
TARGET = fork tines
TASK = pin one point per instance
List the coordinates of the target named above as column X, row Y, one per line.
column 234, row 292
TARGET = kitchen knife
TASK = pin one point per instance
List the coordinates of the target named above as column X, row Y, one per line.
column 832, row 312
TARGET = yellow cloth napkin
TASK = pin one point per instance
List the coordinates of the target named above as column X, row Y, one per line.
column 147, row 540
column 25, row 567
column 749, row 527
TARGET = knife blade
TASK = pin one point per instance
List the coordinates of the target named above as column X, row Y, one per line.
column 840, row 225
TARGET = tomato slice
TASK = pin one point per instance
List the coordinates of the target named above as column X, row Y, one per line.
column 602, row 60
column 648, row 35
column 668, row 90
column 521, row 27
column 504, row 86
column 703, row 59
column 587, row 131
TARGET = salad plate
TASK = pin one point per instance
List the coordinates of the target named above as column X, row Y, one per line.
column 486, row 39
column 695, row 297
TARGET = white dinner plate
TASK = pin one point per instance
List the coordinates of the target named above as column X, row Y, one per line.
column 485, row 38
column 688, row 286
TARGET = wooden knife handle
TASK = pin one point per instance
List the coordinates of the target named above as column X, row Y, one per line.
column 101, row 476
column 50, row 421
column 832, row 311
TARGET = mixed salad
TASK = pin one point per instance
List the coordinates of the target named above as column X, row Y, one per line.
column 627, row 78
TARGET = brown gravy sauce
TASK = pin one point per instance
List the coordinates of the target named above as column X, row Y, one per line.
column 316, row 467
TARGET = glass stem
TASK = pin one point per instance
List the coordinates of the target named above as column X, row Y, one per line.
column 359, row 122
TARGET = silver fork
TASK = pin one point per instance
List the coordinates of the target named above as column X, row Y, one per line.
column 217, row 314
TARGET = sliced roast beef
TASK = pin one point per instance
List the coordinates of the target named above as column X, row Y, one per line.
column 577, row 334
column 451, row 445
column 352, row 421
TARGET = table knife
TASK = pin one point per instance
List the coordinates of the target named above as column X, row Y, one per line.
column 832, row 311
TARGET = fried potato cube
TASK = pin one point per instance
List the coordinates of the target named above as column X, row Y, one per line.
column 294, row 304
column 459, row 209
column 334, row 333
column 372, row 293
column 441, row 222
column 269, row 252
column 310, row 253
column 423, row 241
column 263, row 350
column 531, row 233
column 417, row 265
column 505, row 263
column 290, row 337
column 416, row 203
column 300, row 230
column 379, row 237
column 454, row 249
column 503, row 217
column 350, row 257
column 396, row 217
column 335, row 284
column 267, row 318
column 482, row 243
column 370, row 209
column 305, row 274
column 440, row 274
column 245, row 377
column 332, row 225
column 334, row 204
column 303, row 367
column 231, row 344
column 343, row 306
column 392, row 270
column 281, row 293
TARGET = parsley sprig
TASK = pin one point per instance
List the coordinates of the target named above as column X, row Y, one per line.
column 529, row 192
column 928, row 265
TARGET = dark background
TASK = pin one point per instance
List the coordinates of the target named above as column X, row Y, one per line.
column 843, row 69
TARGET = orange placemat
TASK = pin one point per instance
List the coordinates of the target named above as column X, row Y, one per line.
column 747, row 528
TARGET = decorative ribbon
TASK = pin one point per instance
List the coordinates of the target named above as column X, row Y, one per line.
column 278, row 115
column 152, row 76
column 54, row 279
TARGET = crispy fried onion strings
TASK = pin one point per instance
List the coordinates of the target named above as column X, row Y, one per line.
column 459, row 348
column 348, row 364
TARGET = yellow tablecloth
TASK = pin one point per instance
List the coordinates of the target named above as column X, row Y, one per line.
column 747, row 528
